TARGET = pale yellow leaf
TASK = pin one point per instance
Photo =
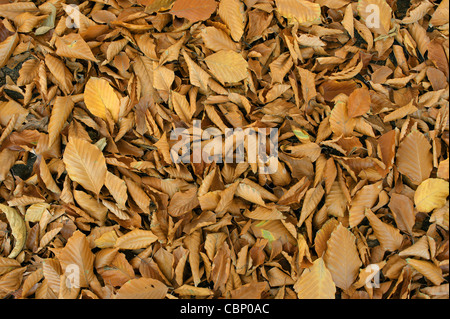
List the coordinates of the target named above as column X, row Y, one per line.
column 100, row 98
column 136, row 239
column 227, row 66
column 18, row 228
column 85, row 164
column 142, row 288
column 432, row 193
column 301, row 10
column 316, row 282
column 232, row 13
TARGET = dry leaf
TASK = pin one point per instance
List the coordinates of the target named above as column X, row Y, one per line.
column 342, row 258
column 432, row 193
column 227, row 66
column 193, row 10
column 316, row 282
column 85, row 164
column 100, row 98
column 334, row 115
column 18, row 227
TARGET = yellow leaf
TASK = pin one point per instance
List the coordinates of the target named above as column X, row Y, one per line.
column 440, row 15
column 335, row 201
column 136, row 239
column 8, row 264
column 272, row 230
column 213, row 242
column 358, row 102
column 106, row 240
column 156, row 5
column 418, row 12
column 301, row 10
column 232, row 13
column 316, row 282
column 194, row 10
column 263, row 213
column 100, row 98
column 18, row 228
column 52, row 273
column 11, row 10
column 440, row 216
column 139, row 196
column 142, row 288
column 376, row 14
column 432, row 193
column 227, row 66
column 347, row 22
column 400, row 112
column 85, row 164
column 181, row 106
column 7, row 48
column 31, row 280
column 172, row 52
column 192, row 243
column 48, row 237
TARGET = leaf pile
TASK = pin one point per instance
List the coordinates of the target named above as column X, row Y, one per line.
column 88, row 186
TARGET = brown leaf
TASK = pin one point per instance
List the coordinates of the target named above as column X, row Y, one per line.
column 358, row 102
column 193, row 10
column 342, row 258
column 388, row 236
column 414, row 158
column 142, row 288
column 78, row 258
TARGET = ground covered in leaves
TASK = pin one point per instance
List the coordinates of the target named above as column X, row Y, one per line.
column 92, row 204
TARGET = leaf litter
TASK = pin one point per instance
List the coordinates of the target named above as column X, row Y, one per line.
column 91, row 91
